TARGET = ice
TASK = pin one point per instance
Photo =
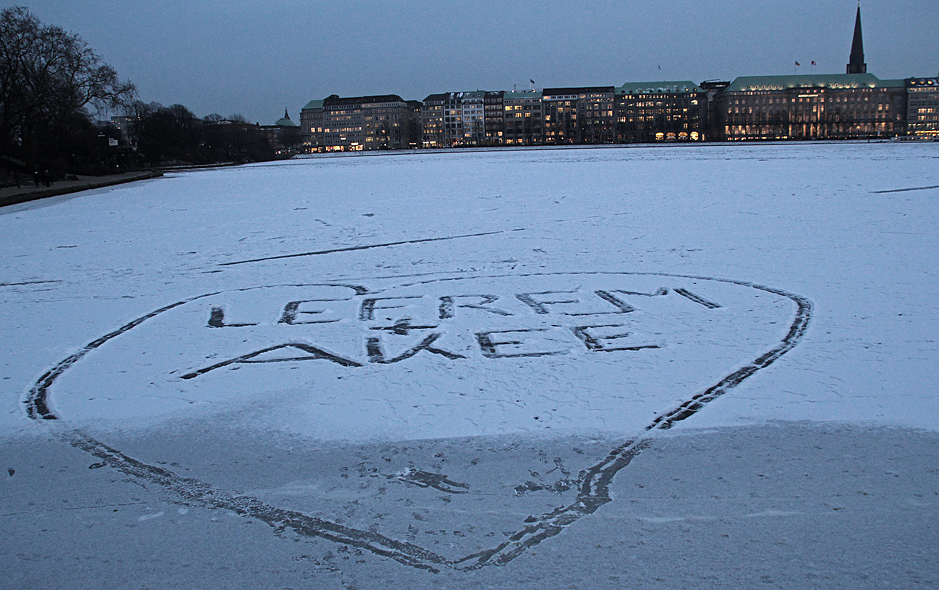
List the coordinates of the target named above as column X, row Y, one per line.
column 807, row 218
column 440, row 349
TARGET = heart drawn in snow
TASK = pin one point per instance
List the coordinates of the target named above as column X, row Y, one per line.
column 474, row 395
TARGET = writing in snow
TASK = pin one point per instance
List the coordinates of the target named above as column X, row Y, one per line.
column 397, row 328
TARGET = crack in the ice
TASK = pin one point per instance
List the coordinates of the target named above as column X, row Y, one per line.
column 369, row 247
column 903, row 190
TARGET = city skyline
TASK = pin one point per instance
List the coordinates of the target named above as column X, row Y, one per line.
column 240, row 57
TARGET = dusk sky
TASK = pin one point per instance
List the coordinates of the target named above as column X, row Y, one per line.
column 256, row 58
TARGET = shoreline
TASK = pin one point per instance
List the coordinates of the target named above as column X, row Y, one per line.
column 23, row 194
column 548, row 147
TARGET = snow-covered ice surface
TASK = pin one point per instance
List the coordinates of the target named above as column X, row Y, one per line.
column 681, row 366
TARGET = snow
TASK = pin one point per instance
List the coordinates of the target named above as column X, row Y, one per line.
column 531, row 311
column 809, row 219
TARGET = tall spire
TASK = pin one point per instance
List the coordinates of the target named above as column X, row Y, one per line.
column 857, row 65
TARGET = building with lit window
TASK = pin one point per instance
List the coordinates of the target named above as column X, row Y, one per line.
column 343, row 124
column 459, row 118
column 579, row 115
column 495, row 121
column 473, row 105
column 922, row 107
column 523, row 121
column 453, row 119
column 820, row 106
column 853, row 105
column 596, row 122
column 391, row 123
column 311, row 126
column 432, row 121
column 660, row 111
column 385, row 122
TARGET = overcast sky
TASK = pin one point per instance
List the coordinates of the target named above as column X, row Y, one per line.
column 256, row 58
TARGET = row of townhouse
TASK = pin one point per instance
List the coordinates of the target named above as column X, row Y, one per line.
column 852, row 105
column 798, row 107
column 635, row 112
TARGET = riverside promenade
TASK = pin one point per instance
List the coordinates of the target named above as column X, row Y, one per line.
column 28, row 191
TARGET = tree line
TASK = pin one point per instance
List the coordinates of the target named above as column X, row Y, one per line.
column 174, row 135
column 54, row 89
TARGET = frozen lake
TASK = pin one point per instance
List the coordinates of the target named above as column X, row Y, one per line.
column 480, row 368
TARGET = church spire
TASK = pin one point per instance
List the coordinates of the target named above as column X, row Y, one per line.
column 857, row 65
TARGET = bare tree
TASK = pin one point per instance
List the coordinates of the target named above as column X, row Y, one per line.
column 47, row 77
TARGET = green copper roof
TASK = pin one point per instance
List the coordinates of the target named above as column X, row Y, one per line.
column 314, row 104
column 834, row 81
column 669, row 87
column 521, row 95
column 285, row 121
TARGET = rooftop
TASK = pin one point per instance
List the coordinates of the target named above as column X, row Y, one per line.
column 285, row 121
column 577, row 90
column 833, row 81
column 521, row 95
column 670, row 87
column 353, row 100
